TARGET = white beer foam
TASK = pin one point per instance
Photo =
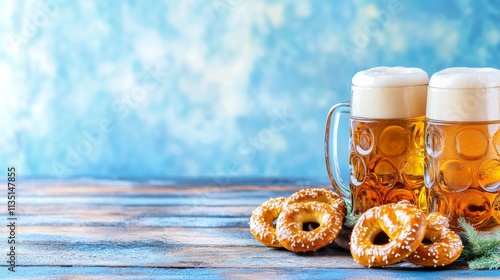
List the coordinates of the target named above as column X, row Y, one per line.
column 389, row 92
column 466, row 78
column 384, row 76
column 464, row 94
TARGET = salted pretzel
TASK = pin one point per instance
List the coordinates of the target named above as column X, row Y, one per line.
column 261, row 221
column 316, row 205
column 317, row 194
column 289, row 226
column 446, row 245
column 403, row 223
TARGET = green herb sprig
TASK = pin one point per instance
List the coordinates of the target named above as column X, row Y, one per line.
column 350, row 220
column 481, row 252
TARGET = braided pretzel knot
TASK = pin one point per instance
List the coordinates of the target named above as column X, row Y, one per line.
column 403, row 223
column 446, row 245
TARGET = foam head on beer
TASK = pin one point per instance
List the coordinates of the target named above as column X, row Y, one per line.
column 464, row 94
column 389, row 92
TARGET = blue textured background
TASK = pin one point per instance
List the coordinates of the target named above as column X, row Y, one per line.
column 229, row 88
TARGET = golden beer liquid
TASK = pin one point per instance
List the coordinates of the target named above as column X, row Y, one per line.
column 462, row 172
column 386, row 162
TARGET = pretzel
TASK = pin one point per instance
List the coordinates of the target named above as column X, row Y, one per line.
column 403, row 223
column 446, row 245
column 317, row 194
column 261, row 221
column 289, row 226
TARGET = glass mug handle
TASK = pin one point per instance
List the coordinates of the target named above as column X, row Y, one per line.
column 336, row 180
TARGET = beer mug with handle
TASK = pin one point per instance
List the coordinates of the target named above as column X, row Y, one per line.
column 386, row 139
column 462, row 137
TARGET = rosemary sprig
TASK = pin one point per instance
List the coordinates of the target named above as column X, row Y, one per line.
column 489, row 262
column 482, row 252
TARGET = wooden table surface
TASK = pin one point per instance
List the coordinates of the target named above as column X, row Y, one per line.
column 170, row 230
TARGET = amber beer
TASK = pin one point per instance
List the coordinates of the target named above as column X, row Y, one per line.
column 386, row 147
column 387, row 162
column 462, row 146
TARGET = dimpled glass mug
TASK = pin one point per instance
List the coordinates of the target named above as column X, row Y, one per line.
column 386, row 143
column 462, row 138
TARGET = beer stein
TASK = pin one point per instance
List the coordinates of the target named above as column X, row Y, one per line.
column 386, row 139
column 462, row 146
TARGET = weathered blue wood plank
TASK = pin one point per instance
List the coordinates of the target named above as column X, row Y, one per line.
column 207, row 200
column 143, row 201
column 118, row 212
column 33, row 235
column 179, row 221
column 37, row 272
